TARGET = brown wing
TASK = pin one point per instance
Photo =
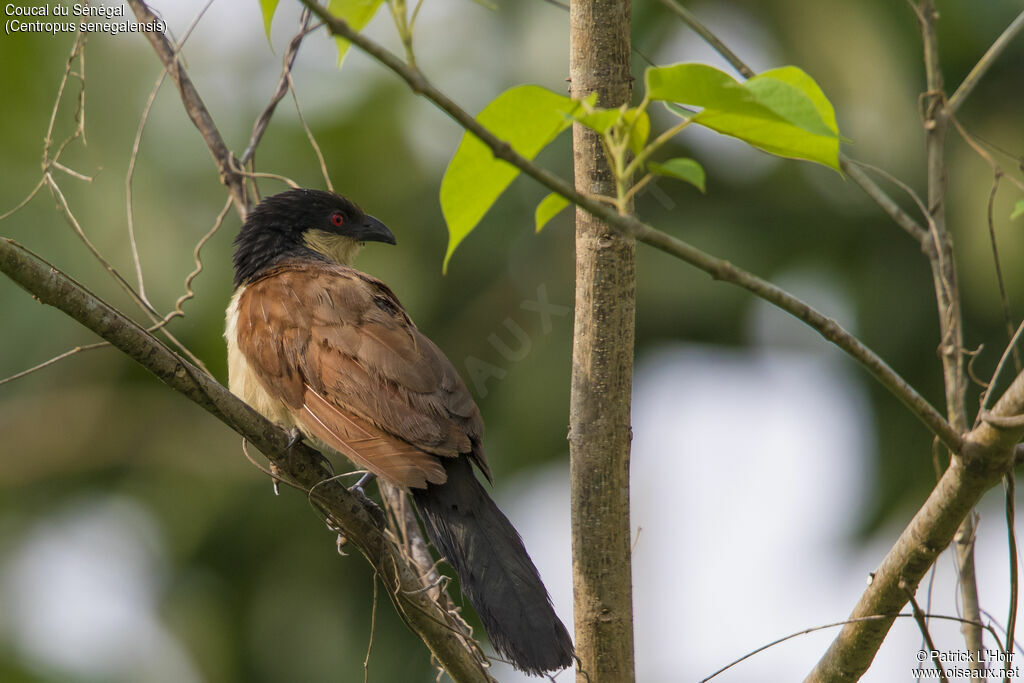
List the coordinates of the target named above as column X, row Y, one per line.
column 337, row 348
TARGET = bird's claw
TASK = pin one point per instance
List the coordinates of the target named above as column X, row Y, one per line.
column 359, row 488
column 294, row 437
column 358, row 491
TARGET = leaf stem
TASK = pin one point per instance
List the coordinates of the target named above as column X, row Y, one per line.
column 650, row 149
column 639, row 186
column 399, row 11
column 629, row 225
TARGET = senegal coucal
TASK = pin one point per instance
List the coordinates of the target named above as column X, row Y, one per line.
column 316, row 345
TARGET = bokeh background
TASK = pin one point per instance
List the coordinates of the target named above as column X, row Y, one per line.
column 770, row 473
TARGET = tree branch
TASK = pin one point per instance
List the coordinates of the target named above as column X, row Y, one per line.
column 602, row 360
column 947, row 296
column 938, row 248
column 260, row 127
column 987, row 60
column 849, row 166
column 988, row 453
column 196, row 109
column 719, row 269
column 304, row 467
column 691, row 20
column 233, row 175
column 856, row 173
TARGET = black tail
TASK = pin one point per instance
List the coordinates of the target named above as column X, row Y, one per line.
column 496, row 574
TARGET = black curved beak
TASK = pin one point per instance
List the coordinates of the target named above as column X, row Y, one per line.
column 372, row 230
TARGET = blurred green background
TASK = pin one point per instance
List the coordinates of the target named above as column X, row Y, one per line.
column 237, row 581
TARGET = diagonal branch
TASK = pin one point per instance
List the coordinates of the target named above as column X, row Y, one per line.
column 691, row 20
column 937, row 245
column 849, row 166
column 719, row 269
column 233, row 175
column 303, row 466
column 988, row 453
column 987, row 60
column 260, row 127
column 195, row 108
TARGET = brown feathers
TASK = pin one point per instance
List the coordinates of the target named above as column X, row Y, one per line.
column 335, row 349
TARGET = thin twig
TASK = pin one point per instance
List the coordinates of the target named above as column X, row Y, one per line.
column 26, row 200
column 154, row 316
column 710, row 38
column 373, row 625
column 932, row 243
column 999, row 370
column 303, row 464
column 997, row 175
column 76, row 52
column 129, row 175
column 717, row 268
column 272, row 176
column 987, row 60
column 974, row 356
column 1003, row 297
column 928, row 602
column 890, row 207
column 260, row 126
column 135, row 154
column 845, row 163
column 992, row 620
column 47, row 363
column 947, row 294
column 196, row 110
column 189, row 293
column 919, row 617
column 823, row 627
column 929, row 237
column 309, row 135
column 1011, row 540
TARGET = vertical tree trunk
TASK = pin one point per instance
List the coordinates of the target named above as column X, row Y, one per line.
column 950, row 319
column 602, row 374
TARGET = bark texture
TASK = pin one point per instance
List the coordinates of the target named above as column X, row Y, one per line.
column 297, row 464
column 602, row 374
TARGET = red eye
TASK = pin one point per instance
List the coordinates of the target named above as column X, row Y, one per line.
column 337, row 219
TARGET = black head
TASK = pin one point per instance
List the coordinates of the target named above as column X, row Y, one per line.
column 303, row 223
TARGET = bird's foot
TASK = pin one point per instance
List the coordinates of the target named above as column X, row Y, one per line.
column 359, row 488
column 358, row 491
column 294, row 437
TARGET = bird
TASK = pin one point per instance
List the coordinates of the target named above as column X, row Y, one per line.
column 329, row 353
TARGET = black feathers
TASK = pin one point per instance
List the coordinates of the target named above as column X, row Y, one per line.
column 496, row 574
column 336, row 350
column 275, row 230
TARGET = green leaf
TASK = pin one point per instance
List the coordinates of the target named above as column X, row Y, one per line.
column 356, row 13
column 599, row 121
column 548, row 208
column 268, row 7
column 782, row 111
column 641, row 128
column 797, row 78
column 1018, row 209
column 696, row 84
column 528, row 117
column 686, row 170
